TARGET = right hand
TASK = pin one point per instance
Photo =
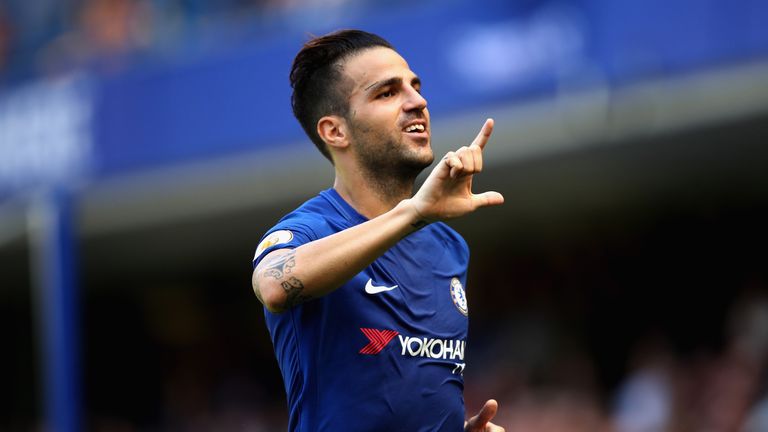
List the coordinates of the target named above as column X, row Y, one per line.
column 447, row 192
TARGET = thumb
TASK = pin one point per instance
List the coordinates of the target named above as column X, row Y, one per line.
column 478, row 422
column 486, row 199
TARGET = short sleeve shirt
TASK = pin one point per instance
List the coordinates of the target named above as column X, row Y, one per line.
column 385, row 351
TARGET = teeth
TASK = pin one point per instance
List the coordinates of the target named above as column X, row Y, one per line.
column 414, row 128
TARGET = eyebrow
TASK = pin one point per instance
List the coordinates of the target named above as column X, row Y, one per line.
column 391, row 81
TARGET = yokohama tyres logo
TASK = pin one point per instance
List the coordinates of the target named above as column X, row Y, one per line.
column 445, row 349
column 378, row 339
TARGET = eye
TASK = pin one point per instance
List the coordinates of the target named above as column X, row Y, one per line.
column 385, row 94
column 416, row 86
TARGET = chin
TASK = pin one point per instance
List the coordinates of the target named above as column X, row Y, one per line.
column 429, row 158
column 421, row 161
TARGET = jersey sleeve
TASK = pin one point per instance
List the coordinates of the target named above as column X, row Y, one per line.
column 290, row 233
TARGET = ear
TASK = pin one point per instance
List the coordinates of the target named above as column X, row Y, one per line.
column 333, row 130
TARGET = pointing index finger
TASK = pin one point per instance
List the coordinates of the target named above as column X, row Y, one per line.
column 485, row 133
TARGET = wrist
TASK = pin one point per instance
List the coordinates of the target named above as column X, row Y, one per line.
column 415, row 219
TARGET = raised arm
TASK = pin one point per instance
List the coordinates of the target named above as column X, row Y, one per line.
column 287, row 277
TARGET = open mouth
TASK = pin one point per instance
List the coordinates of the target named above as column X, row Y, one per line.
column 416, row 128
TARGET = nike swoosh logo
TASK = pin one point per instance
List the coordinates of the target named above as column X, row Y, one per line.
column 370, row 288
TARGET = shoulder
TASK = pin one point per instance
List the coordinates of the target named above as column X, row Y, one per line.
column 313, row 220
column 315, row 215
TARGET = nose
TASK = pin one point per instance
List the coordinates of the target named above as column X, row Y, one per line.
column 414, row 100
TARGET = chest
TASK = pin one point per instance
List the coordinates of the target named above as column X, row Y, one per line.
column 417, row 287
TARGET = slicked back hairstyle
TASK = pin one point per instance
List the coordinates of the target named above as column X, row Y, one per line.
column 318, row 81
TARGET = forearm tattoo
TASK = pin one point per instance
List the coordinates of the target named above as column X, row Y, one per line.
column 293, row 288
column 278, row 268
column 280, row 265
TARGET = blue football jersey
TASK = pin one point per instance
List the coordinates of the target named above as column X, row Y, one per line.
column 385, row 351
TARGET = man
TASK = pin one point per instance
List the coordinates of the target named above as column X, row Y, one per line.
column 362, row 285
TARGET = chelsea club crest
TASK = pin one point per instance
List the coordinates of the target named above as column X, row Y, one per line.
column 458, row 296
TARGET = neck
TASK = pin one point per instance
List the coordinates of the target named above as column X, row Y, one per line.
column 373, row 195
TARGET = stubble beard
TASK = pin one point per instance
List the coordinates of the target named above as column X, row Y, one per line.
column 389, row 164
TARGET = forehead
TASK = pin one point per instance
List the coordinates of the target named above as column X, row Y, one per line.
column 375, row 64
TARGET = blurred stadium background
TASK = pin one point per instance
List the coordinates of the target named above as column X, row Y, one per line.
column 146, row 145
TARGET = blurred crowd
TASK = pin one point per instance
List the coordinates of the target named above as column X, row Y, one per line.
column 661, row 390
column 49, row 37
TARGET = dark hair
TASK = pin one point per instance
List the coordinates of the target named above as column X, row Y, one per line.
column 317, row 79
